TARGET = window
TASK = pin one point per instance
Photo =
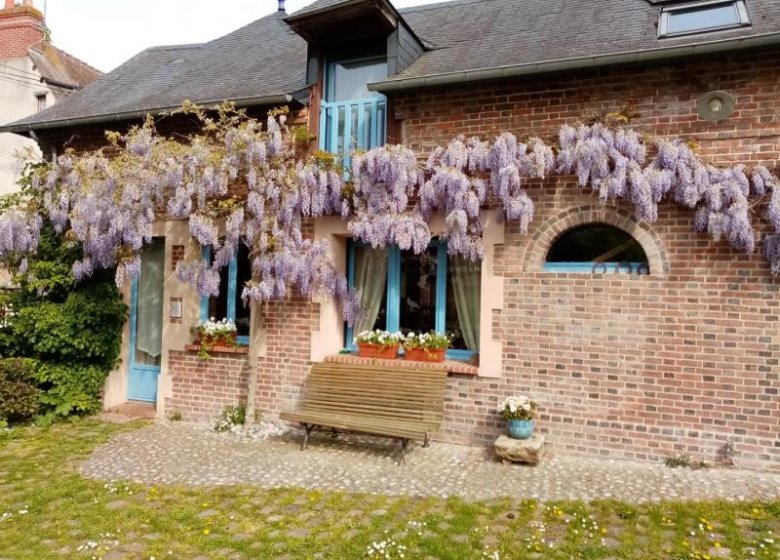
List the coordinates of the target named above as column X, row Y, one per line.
column 349, row 79
column 702, row 16
column 228, row 304
column 596, row 248
column 401, row 291
column 353, row 117
column 41, row 99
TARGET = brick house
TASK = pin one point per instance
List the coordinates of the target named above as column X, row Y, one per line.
column 639, row 340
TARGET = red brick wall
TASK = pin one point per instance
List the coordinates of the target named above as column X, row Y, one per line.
column 202, row 389
column 643, row 366
column 20, row 28
column 679, row 361
column 635, row 367
column 287, row 328
column 663, row 97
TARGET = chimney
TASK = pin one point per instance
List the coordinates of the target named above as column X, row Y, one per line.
column 21, row 27
column 281, row 6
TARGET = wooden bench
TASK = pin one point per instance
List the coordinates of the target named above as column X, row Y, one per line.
column 406, row 404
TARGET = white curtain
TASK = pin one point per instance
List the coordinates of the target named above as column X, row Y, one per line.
column 466, row 279
column 370, row 280
column 149, row 304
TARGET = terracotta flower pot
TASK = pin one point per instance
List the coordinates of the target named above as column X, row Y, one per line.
column 425, row 355
column 218, row 340
column 367, row 350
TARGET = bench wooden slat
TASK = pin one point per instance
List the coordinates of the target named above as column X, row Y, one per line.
column 360, row 424
column 374, row 399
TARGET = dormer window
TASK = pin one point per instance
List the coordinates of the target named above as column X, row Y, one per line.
column 702, row 17
column 353, row 118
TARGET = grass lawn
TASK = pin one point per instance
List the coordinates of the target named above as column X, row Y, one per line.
column 48, row 511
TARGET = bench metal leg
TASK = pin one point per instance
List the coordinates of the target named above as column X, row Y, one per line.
column 404, row 445
column 333, row 433
column 427, row 442
column 309, row 428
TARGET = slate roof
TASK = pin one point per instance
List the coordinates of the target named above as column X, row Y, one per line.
column 318, row 5
column 63, row 72
column 475, row 34
column 266, row 59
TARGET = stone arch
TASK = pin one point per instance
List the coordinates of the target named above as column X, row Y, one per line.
column 545, row 235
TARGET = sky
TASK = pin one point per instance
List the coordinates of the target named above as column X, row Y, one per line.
column 105, row 33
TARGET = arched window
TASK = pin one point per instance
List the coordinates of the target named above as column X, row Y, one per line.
column 596, row 248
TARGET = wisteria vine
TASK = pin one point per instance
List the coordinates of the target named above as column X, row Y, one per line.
column 237, row 181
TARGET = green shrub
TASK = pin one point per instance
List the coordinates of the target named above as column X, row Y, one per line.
column 70, row 388
column 19, row 395
column 71, row 333
column 233, row 415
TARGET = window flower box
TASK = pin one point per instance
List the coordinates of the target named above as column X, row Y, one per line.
column 425, row 355
column 426, row 347
column 368, row 350
column 212, row 334
column 224, row 339
column 378, row 344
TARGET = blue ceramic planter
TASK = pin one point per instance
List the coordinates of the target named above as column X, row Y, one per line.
column 521, row 429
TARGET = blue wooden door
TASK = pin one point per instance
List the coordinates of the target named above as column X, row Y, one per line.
column 146, row 309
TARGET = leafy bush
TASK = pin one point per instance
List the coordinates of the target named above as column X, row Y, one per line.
column 82, row 329
column 70, row 388
column 233, row 415
column 70, row 333
column 19, row 395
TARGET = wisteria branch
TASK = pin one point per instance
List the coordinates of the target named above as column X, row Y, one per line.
column 108, row 203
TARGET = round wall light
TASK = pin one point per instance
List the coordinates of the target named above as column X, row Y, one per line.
column 716, row 106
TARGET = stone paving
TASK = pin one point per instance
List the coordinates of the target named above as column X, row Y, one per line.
column 176, row 453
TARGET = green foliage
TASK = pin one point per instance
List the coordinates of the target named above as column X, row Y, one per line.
column 19, row 395
column 70, row 388
column 81, row 329
column 685, row 461
column 233, row 415
column 70, row 334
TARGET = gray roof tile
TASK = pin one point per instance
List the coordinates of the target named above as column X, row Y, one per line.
column 477, row 34
column 318, row 5
column 63, row 72
column 263, row 59
column 266, row 58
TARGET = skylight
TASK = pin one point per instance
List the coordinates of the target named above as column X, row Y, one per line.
column 700, row 17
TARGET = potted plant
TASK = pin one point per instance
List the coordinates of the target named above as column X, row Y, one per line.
column 212, row 333
column 519, row 412
column 426, row 347
column 378, row 344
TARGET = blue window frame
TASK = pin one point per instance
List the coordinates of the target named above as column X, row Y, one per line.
column 395, row 312
column 228, row 304
column 351, row 117
column 596, row 248
column 597, row 267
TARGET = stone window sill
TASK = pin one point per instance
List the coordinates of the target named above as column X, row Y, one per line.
column 219, row 349
column 453, row 367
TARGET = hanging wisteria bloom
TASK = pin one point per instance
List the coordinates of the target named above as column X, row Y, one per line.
column 241, row 181
column 457, row 190
column 383, row 181
column 511, row 163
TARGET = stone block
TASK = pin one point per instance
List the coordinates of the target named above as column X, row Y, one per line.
column 529, row 451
